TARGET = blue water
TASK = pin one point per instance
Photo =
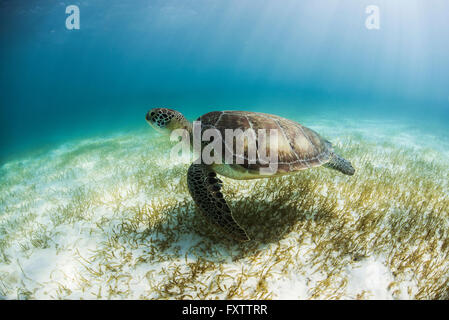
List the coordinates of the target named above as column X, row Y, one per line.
column 288, row 57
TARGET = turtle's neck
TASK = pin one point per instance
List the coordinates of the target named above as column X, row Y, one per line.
column 187, row 125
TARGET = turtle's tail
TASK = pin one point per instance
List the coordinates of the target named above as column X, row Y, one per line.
column 340, row 164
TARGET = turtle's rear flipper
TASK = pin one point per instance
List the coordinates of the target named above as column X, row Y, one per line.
column 204, row 186
column 340, row 164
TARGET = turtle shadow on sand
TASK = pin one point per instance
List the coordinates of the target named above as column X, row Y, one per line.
column 266, row 221
column 269, row 224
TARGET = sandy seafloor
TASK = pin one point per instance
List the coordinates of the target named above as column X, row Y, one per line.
column 111, row 217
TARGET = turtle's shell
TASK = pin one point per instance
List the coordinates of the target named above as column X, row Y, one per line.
column 298, row 147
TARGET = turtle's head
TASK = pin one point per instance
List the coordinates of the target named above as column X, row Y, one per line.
column 166, row 120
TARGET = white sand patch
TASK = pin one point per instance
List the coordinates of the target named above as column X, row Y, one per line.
column 369, row 279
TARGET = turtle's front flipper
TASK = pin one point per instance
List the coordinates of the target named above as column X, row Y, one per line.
column 340, row 164
column 204, row 186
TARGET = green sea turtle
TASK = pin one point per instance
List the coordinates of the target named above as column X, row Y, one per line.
column 298, row 148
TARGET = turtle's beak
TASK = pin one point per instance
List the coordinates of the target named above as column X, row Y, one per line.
column 148, row 117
